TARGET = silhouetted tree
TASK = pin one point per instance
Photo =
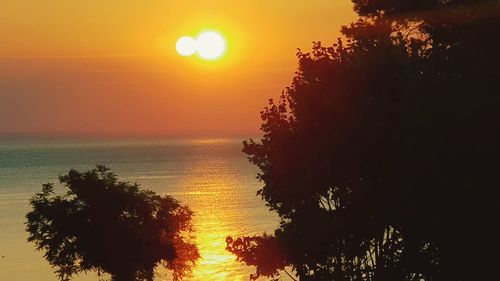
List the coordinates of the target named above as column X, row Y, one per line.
column 381, row 158
column 104, row 225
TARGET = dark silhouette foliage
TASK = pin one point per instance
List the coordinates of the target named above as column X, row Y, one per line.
column 381, row 158
column 104, row 225
column 264, row 252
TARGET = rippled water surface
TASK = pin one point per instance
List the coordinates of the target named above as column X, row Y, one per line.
column 211, row 176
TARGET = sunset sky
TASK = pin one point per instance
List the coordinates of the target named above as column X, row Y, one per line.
column 110, row 67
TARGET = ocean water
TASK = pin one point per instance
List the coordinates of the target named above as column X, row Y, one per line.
column 212, row 176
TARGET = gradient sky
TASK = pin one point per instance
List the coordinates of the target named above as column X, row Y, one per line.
column 90, row 67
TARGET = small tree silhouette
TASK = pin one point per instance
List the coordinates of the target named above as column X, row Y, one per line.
column 104, row 225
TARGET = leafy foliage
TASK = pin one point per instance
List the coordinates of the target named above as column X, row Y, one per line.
column 380, row 158
column 104, row 225
column 263, row 252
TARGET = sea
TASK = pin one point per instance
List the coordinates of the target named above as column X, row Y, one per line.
column 212, row 176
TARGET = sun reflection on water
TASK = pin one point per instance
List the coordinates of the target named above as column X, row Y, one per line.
column 214, row 193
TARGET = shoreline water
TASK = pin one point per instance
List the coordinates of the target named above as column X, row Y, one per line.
column 211, row 176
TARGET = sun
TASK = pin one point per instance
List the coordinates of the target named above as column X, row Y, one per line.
column 209, row 45
column 185, row 46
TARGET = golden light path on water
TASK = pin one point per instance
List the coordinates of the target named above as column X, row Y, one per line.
column 214, row 207
column 211, row 229
column 224, row 205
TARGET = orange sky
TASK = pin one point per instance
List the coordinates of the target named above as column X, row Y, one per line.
column 110, row 67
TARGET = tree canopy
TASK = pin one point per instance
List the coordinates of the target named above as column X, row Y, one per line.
column 104, row 225
column 381, row 157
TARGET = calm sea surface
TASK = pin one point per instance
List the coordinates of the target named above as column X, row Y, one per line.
column 212, row 176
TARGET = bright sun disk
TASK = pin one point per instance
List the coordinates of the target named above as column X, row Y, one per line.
column 185, row 46
column 209, row 45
